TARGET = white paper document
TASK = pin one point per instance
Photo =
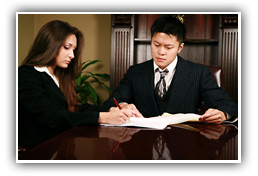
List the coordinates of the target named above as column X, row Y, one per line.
column 159, row 122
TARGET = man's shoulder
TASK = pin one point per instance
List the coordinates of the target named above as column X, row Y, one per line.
column 190, row 64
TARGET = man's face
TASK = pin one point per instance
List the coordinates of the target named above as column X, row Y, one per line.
column 164, row 49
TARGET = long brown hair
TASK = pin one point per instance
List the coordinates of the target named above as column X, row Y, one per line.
column 44, row 50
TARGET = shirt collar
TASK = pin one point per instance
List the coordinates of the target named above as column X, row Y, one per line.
column 171, row 67
column 44, row 69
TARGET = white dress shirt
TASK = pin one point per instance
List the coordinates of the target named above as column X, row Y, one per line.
column 169, row 76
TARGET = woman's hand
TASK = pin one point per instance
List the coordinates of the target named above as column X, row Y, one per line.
column 132, row 107
column 116, row 116
column 119, row 134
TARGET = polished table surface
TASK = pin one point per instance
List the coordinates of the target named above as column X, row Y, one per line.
column 191, row 141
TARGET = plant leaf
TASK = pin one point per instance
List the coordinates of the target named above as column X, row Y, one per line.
column 102, row 84
column 104, row 76
column 78, row 80
column 93, row 94
column 88, row 63
column 84, row 98
column 85, row 80
column 108, row 88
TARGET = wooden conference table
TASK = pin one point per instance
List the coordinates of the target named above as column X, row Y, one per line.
column 190, row 141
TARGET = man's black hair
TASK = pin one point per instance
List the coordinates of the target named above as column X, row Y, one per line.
column 169, row 24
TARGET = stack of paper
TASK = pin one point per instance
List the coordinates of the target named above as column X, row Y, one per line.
column 159, row 122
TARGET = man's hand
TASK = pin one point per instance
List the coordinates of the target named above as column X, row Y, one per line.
column 212, row 131
column 213, row 116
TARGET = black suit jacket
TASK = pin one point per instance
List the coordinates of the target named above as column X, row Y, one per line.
column 42, row 108
column 192, row 83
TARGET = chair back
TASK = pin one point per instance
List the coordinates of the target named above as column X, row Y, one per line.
column 216, row 74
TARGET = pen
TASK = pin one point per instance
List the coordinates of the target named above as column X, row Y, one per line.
column 115, row 147
column 117, row 104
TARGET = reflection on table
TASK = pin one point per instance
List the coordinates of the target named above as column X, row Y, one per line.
column 177, row 142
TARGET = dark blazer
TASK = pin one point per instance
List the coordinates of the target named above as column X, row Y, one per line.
column 192, row 83
column 42, row 107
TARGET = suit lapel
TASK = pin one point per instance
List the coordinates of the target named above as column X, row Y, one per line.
column 180, row 84
column 148, row 86
column 53, row 86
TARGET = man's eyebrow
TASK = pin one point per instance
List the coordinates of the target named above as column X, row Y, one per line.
column 169, row 44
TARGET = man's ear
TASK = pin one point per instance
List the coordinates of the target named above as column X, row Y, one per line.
column 181, row 46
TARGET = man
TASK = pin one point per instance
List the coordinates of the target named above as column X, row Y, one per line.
column 168, row 83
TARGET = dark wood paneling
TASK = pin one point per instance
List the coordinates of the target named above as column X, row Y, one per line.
column 207, row 42
column 230, row 61
column 195, row 26
column 201, row 44
column 121, row 47
column 142, row 36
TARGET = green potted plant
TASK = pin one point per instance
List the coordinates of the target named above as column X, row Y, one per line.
column 86, row 79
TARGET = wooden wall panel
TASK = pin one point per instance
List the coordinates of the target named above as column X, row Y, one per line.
column 121, row 48
column 142, row 36
column 230, row 61
column 140, row 32
column 195, row 26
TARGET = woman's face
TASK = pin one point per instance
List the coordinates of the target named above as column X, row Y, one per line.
column 66, row 52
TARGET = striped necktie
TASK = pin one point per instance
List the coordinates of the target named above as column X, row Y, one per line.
column 160, row 88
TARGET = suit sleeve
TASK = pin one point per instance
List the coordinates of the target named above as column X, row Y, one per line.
column 124, row 92
column 35, row 102
column 214, row 96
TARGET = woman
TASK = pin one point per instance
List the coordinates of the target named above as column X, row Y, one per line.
column 47, row 98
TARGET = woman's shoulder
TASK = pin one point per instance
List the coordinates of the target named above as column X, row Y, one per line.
column 26, row 68
column 28, row 72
